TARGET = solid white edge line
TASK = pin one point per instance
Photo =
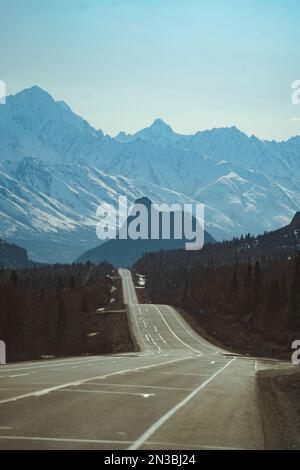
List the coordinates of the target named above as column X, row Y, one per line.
column 58, row 439
column 174, row 334
column 192, row 333
column 107, row 392
column 54, row 363
column 104, row 441
column 155, row 426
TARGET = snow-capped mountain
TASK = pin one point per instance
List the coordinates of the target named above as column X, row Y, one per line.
column 48, row 206
column 32, row 124
column 55, row 169
column 280, row 160
column 158, row 133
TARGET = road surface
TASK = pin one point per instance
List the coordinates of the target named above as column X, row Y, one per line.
column 178, row 392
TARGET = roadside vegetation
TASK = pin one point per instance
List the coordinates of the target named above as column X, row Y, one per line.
column 50, row 310
column 251, row 307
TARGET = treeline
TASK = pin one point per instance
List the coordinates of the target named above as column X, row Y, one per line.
column 252, row 307
column 45, row 310
column 276, row 245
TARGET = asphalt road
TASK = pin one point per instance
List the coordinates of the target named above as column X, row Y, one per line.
column 178, row 392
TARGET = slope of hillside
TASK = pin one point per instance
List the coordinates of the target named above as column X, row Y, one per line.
column 50, row 209
column 244, row 294
column 12, row 256
column 278, row 244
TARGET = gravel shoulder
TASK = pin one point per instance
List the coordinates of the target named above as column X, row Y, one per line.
column 279, row 397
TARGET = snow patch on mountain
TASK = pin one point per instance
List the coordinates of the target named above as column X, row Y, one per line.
column 55, row 169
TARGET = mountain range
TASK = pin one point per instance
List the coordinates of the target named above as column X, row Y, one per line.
column 55, row 169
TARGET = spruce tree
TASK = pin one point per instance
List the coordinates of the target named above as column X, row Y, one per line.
column 72, row 283
column 248, row 276
column 294, row 301
column 14, row 278
column 234, row 284
column 257, row 283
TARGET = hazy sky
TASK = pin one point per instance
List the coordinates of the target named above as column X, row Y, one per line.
column 196, row 64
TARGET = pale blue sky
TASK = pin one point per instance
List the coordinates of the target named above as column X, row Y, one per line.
column 196, row 64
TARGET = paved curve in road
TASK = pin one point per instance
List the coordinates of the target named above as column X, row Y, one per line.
column 178, row 392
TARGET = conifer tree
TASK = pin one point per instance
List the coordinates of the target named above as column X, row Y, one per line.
column 234, row 284
column 294, row 301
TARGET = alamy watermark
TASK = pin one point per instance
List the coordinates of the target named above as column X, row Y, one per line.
column 2, row 352
column 296, row 353
column 2, row 92
column 296, row 93
column 152, row 221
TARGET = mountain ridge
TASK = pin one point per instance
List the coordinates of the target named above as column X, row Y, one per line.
column 55, row 169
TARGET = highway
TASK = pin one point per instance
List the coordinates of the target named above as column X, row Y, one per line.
column 178, row 392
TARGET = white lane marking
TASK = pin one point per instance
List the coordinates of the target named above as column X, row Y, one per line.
column 162, row 338
column 126, row 277
column 155, row 426
column 17, row 375
column 108, row 392
column 102, row 441
column 147, row 333
column 182, row 445
column 53, row 364
column 183, row 373
column 156, row 387
column 99, row 377
column 132, row 301
column 14, row 389
column 196, row 338
column 57, row 439
column 155, row 343
column 138, row 328
column 174, row 334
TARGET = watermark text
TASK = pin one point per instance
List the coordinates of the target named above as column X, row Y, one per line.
column 152, row 221
column 296, row 93
column 2, row 92
column 296, row 353
column 2, row 352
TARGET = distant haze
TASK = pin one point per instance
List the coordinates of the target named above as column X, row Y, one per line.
column 197, row 65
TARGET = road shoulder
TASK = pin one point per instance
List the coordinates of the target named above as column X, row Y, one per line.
column 279, row 393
